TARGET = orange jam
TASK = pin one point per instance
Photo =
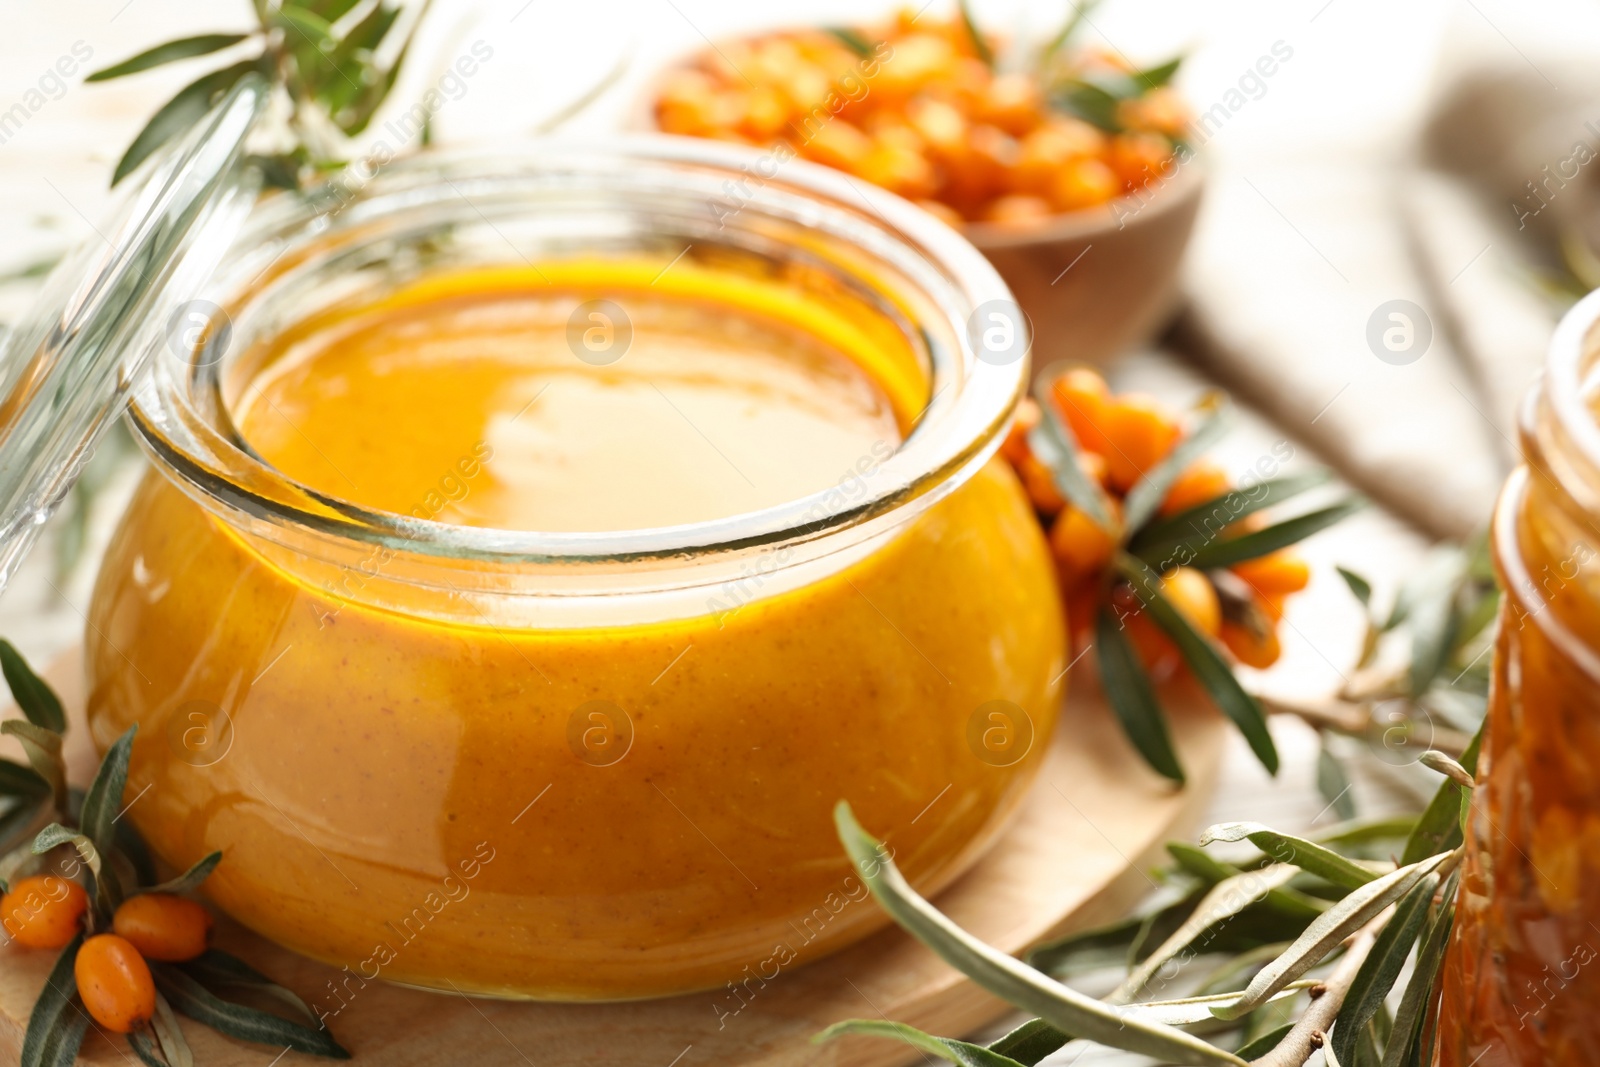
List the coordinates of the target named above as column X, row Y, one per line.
column 1522, row 976
column 581, row 808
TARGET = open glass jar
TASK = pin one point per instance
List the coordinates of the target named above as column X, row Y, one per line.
column 1522, row 976
column 579, row 764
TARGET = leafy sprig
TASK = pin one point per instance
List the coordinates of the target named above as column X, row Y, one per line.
column 39, row 818
column 327, row 58
column 1313, row 938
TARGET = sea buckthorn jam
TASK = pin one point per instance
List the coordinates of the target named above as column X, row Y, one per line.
column 432, row 755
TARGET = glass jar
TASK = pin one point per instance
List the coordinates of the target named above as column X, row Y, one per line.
column 580, row 765
column 1520, row 978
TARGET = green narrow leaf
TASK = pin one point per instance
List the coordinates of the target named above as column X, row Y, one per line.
column 979, row 46
column 1011, row 980
column 1204, row 523
column 1328, row 931
column 1069, row 29
column 1358, row 585
column 852, row 39
column 331, row 10
column 32, row 693
column 1053, row 443
column 173, row 1045
column 1380, row 969
column 147, row 1049
column 1439, row 827
column 1200, row 863
column 1286, row 848
column 1130, row 695
column 1334, row 784
column 56, row 1026
column 1433, row 625
column 1030, row 1042
column 1089, row 102
column 1109, row 946
column 1205, row 662
column 171, row 52
column 1419, row 995
column 1224, row 901
column 1368, row 831
column 1264, row 1044
column 42, row 746
column 189, row 880
column 1155, row 77
column 311, row 27
column 1232, row 550
column 216, row 969
column 950, row 1051
column 102, row 801
column 1149, row 491
column 19, row 781
column 235, row 1020
column 180, row 113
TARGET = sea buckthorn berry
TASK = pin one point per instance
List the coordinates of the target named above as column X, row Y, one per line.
column 1081, row 396
column 900, row 170
column 1017, row 209
column 163, row 926
column 1012, row 102
column 1140, row 433
column 1016, row 443
column 839, row 145
column 1279, row 572
column 1084, row 183
column 43, row 911
column 1160, row 110
column 1139, row 158
column 1043, row 152
column 1271, row 605
column 1252, row 647
column 1202, row 481
column 115, row 984
column 943, row 212
column 1080, row 546
column 1093, row 465
column 1192, row 594
column 1040, row 482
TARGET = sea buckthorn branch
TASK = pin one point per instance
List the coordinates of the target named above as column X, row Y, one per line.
column 1314, row 937
column 132, row 951
column 1164, row 562
column 334, row 61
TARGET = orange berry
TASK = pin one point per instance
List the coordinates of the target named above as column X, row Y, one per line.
column 1093, row 465
column 943, row 212
column 1043, row 152
column 990, row 158
column 1159, row 110
column 1278, row 572
column 1017, row 209
column 1192, row 593
column 942, row 127
column 1201, row 482
column 1271, row 605
column 919, row 59
column 1084, row 183
column 838, row 144
column 764, row 115
column 1080, row 546
column 1015, row 446
column 1012, row 102
column 1139, row 158
column 162, row 926
column 43, row 911
column 1253, row 648
column 1040, row 483
column 1140, row 433
column 1154, row 648
column 115, row 984
column 1081, row 396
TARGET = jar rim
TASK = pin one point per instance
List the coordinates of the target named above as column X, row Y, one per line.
column 1570, row 348
column 972, row 394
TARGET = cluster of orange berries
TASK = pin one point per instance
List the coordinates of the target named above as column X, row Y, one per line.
column 925, row 117
column 1120, row 438
column 114, row 979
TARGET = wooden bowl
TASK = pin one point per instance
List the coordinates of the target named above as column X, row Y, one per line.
column 1097, row 282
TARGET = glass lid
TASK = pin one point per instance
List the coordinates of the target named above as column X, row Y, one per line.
column 67, row 369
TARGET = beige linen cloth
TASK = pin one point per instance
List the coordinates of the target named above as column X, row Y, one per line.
column 1459, row 208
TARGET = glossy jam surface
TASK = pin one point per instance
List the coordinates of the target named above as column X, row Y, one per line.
column 1522, row 976
column 590, row 811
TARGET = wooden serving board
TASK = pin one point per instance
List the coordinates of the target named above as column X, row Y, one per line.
column 1075, row 857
